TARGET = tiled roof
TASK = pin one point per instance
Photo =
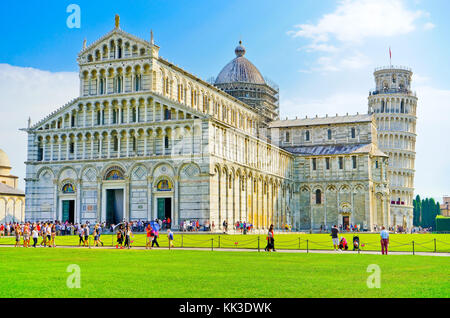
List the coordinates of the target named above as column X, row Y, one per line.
column 322, row 121
column 323, row 150
column 7, row 190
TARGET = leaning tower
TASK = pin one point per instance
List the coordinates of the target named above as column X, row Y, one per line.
column 394, row 106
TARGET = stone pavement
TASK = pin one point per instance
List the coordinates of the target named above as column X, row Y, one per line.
column 261, row 250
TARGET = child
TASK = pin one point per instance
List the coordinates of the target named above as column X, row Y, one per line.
column 170, row 237
column 119, row 239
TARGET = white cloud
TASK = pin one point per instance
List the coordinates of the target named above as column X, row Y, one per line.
column 28, row 92
column 429, row 26
column 337, row 63
column 355, row 20
column 314, row 47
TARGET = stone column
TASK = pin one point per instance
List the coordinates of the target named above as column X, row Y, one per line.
column 108, row 138
column 78, row 202
column 145, row 143
column 55, row 200
column 83, row 140
column 145, row 111
column 92, row 147
column 127, row 138
column 99, row 199
column 176, row 208
column 127, row 199
column 119, row 137
column 75, row 152
column 52, row 141
column 59, row 148
column 85, row 109
column 149, row 198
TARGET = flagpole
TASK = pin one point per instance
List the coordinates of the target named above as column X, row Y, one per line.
column 390, row 58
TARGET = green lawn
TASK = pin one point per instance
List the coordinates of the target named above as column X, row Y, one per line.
column 398, row 242
column 182, row 273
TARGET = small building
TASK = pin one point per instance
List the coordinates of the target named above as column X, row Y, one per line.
column 445, row 206
column 12, row 200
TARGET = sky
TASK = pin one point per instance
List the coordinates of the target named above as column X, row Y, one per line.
column 322, row 54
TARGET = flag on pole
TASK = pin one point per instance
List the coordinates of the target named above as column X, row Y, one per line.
column 390, row 57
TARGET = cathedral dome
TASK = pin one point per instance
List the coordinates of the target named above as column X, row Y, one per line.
column 5, row 164
column 4, row 160
column 240, row 70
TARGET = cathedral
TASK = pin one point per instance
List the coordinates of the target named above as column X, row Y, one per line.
column 146, row 139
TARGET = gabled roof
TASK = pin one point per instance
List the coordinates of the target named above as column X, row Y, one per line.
column 7, row 190
column 321, row 121
column 327, row 150
column 67, row 105
column 110, row 34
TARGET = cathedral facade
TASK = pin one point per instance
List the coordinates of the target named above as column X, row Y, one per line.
column 146, row 139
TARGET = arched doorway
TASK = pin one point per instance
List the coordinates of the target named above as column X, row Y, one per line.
column 163, row 191
column 113, row 198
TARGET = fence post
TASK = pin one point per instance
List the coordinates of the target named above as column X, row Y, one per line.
column 181, row 240
column 435, row 245
column 219, row 241
column 299, row 243
column 413, row 248
column 89, row 242
column 212, row 244
column 112, row 239
column 258, row 244
column 307, row 246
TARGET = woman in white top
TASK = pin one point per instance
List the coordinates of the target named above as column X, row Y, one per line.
column 35, row 235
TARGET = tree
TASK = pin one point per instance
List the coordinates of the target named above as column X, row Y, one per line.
column 417, row 204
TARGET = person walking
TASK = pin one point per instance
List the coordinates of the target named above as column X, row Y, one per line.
column 128, row 235
column 86, row 235
column 149, row 237
column 335, row 237
column 17, row 235
column 155, row 238
column 270, row 240
column 384, row 234
column 35, row 235
column 53, row 235
column 43, row 234
column 26, row 235
column 119, row 238
column 170, row 238
column 81, row 236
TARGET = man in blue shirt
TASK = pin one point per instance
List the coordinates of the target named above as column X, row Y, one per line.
column 384, row 234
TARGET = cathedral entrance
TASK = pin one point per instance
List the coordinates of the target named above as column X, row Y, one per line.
column 345, row 221
column 114, row 206
column 68, row 211
column 164, row 208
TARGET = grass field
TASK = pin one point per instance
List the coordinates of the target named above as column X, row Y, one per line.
column 205, row 274
column 398, row 242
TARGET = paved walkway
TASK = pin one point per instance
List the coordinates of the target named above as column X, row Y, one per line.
column 262, row 250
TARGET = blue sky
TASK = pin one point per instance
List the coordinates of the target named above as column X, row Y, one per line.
column 321, row 54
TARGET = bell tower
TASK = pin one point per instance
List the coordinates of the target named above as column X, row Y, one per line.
column 394, row 107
